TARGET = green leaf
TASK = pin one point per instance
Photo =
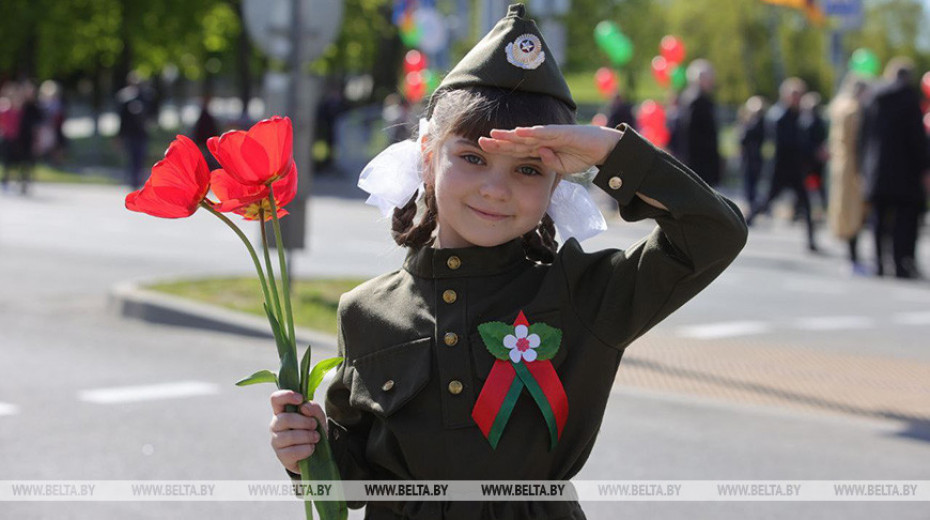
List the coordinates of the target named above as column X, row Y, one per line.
column 262, row 376
column 305, row 372
column 287, row 376
column 493, row 333
column 549, row 340
column 316, row 376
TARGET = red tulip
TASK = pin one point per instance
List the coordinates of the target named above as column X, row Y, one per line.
column 246, row 200
column 178, row 183
column 262, row 155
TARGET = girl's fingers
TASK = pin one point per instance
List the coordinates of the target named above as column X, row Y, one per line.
column 508, row 147
column 291, row 456
column 292, row 421
column 290, row 438
column 313, row 409
column 282, row 398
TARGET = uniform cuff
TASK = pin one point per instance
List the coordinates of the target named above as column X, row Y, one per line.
column 626, row 166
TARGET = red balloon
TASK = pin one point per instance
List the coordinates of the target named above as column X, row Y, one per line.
column 606, row 81
column 651, row 115
column 927, row 122
column 414, row 61
column 660, row 71
column 925, row 84
column 657, row 136
column 672, row 49
column 414, row 87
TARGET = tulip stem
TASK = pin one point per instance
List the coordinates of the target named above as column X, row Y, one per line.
column 248, row 245
column 285, row 280
column 276, row 308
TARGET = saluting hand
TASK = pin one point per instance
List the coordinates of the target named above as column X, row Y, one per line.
column 564, row 148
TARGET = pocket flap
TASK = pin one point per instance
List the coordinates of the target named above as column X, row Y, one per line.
column 385, row 380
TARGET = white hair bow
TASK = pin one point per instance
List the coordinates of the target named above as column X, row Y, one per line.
column 395, row 175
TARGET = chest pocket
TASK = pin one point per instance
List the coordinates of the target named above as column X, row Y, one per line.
column 385, row 380
column 484, row 360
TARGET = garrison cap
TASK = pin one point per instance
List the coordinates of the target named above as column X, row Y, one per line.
column 512, row 56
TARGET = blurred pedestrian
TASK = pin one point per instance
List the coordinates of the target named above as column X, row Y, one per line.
column 134, row 109
column 751, row 131
column 9, row 127
column 204, row 128
column 815, row 138
column 330, row 107
column 620, row 111
column 786, row 169
column 846, row 210
column 50, row 139
column 894, row 158
column 697, row 125
column 21, row 150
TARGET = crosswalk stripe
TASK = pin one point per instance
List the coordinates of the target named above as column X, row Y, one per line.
column 834, row 323
column 913, row 318
column 128, row 394
column 8, row 409
column 724, row 329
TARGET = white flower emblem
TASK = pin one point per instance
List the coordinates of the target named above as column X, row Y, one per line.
column 522, row 344
column 526, row 52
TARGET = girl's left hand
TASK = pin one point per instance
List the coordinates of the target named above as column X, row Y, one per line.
column 564, row 148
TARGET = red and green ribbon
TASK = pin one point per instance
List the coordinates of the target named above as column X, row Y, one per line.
column 503, row 387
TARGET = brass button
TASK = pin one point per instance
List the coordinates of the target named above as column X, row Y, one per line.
column 389, row 384
column 449, row 296
column 454, row 262
column 615, row 183
column 455, row 387
column 451, row 339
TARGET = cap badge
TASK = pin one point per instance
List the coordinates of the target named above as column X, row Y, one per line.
column 526, row 52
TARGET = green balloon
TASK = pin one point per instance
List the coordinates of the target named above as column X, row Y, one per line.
column 679, row 77
column 613, row 42
column 864, row 62
column 411, row 38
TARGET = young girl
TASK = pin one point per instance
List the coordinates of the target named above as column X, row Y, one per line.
column 491, row 354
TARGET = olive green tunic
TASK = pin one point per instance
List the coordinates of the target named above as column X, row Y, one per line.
column 400, row 406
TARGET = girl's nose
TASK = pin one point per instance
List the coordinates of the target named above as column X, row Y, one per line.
column 495, row 185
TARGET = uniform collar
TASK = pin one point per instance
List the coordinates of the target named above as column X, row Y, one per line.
column 428, row 262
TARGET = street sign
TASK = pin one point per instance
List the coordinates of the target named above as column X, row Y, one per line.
column 269, row 24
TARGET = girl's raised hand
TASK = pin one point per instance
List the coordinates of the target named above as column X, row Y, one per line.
column 294, row 435
column 564, row 148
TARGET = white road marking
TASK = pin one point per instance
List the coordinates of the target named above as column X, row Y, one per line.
column 815, row 286
column 129, row 394
column 724, row 330
column 912, row 318
column 8, row 409
column 834, row 323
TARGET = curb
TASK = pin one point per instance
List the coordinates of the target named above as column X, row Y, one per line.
column 129, row 300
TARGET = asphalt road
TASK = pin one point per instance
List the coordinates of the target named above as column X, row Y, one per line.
column 68, row 359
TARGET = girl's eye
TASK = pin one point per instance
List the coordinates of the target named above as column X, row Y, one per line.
column 529, row 170
column 472, row 158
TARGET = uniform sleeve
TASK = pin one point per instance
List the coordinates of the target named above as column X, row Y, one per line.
column 619, row 295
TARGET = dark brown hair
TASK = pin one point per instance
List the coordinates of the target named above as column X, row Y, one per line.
column 472, row 113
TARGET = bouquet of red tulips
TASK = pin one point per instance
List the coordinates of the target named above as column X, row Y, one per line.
column 257, row 179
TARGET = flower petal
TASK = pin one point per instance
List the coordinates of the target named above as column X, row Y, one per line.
column 534, row 340
column 529, row 355
column 275, row 135
column 521, row 331
column 515, row 355
column 177, row 185
column 510, row 341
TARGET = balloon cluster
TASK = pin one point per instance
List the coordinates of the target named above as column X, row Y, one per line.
column 668, row 67
column 614, row 43
column 865, row 63
column 423, row 30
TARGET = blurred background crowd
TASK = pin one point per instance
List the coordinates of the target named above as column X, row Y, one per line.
column 825, row 101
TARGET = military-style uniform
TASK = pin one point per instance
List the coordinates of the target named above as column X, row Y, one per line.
column 400, row 406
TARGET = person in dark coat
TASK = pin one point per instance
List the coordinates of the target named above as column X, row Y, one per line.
column 134, row 109
column 751, row 136
column 697, row 125
column 787, row 166
column 621, row 111
column 894, row 158
column 22, row 156
column 815, row 136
